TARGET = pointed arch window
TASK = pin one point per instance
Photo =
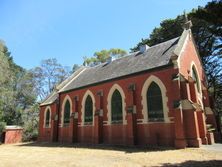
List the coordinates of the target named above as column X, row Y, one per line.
column 116, row 107
column 88, row 110
column 196, row 79
column 47, row 118
column 67, row 112
column 154, row 103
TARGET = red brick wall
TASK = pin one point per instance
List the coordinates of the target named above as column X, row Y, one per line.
column 156, row 134
column 13, row 136
column 188, row 56
column 195, row 123
column 116, row 134
column 45, row 134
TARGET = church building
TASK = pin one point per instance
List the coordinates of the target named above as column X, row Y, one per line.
column 155, row 96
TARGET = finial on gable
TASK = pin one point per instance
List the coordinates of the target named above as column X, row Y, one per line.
column 187, row 23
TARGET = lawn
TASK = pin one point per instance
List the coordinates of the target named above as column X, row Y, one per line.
column 43, row 154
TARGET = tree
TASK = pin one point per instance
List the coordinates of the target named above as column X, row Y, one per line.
column 47, row 75
column 4, row 76
column 16, row 89
column 75, row 68
column 2, row 128
column 4, row 67
column 19, row 89
column 210, row 46
column 103, row 55
column 168, row 29
column 207, row 32
column 31, row 119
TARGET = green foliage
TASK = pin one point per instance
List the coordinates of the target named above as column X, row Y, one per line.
column 4, row 69
column 103, row 55
column 31, row 119
column 19, row 89
column 17, row 93
column 75, row 68
column 2, row 127
column 168, row 29
column 16, row 90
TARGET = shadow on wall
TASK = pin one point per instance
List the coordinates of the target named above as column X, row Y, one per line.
column 126, row 149
column 211, row 163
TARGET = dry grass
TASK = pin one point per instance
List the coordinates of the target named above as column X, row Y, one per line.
column 34, row 154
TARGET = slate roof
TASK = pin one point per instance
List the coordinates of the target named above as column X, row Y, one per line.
column 50, row 99
column 156, row 56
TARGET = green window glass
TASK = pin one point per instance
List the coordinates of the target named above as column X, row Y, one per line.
column 67, row 112
column 116, row 106
column 88, row 110
column 154, row 103
column 47, row 119
column 195, row 77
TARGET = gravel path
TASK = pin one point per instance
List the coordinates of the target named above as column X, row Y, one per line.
column 55, row 155
column 215, row 147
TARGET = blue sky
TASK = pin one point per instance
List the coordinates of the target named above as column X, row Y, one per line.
column 67, row 30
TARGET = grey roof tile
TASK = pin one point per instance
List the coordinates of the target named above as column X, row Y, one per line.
column 156, row 56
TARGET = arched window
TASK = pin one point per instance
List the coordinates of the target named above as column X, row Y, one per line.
column 196, row 79
column 88, row 110
column 116, row 106
column 67, row 112
column 154, row 103
column 47, row 118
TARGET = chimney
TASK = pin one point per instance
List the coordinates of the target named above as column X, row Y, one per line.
column 143, row 48
column 110, row 59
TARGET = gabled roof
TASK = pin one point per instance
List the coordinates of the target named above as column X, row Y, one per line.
column 50, row 99
column 156, row 56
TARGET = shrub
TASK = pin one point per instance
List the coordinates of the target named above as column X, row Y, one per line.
column 30, row 132
column 2, row 128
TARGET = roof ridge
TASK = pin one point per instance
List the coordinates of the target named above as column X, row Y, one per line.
column 74, row 77
column 133, row 53
column 164, row 42
column 63, row 83
column 51, row 94
column 181, row 42
column 104, row 63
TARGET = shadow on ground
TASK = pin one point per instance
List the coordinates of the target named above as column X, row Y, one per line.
column 210, row 163
column 127, row 149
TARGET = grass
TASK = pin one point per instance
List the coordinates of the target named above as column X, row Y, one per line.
column 77, row 155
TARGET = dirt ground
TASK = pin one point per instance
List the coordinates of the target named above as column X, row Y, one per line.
column 56, row 155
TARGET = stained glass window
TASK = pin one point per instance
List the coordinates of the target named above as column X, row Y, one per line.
column 195, row 77
column 88, row 110
column 154, row 103
column 47, row 119
column 67, row 112
column 116, row 106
